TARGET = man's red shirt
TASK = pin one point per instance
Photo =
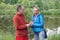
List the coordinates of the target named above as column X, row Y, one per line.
column 20, row 25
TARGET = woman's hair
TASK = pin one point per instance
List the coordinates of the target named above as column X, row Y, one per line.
column 36, row 6
column 19, row 7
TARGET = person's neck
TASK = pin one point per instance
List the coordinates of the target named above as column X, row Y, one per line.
column 36, row 14
column 19, row 13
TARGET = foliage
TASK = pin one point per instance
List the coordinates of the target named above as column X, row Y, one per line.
column 49, row 8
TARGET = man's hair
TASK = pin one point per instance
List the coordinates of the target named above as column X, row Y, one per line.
column 19, row 7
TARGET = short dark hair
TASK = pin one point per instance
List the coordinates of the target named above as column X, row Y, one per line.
column 19, row 6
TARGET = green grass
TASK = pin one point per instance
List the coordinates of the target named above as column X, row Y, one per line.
column 54, row 37
column 7, row 37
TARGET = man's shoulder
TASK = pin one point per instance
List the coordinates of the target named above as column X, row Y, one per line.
column 15, row 17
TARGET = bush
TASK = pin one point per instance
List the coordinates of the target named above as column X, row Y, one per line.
column 51, row 12
column 7, row 12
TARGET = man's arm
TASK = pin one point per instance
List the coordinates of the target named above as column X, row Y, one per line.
column 19, row 26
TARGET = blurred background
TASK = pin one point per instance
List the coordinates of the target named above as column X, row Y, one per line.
column 49, row 8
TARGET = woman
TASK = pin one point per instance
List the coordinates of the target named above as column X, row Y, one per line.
column 38, row 24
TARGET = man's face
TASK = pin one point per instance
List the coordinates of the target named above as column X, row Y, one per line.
column 21, row 10
column 36, row 11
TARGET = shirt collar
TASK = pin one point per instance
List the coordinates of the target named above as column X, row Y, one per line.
column 37, row 14
column 20, row 14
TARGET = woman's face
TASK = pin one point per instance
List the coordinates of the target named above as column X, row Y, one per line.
column 36, row 11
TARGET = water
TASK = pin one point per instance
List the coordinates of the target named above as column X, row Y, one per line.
column 52, row 32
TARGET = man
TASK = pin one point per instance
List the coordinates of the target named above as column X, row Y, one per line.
column 20, row 24
column 38, row 24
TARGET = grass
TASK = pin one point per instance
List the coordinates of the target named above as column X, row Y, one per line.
column 9, row 36
column 54, row 37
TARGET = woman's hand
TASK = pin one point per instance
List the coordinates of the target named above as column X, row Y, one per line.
column 31, row 23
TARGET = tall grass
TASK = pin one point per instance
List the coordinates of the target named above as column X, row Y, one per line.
column 9, row 36
column 54, row 37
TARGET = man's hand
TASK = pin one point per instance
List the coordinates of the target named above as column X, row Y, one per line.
column 30, row 24
column 27, row 25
